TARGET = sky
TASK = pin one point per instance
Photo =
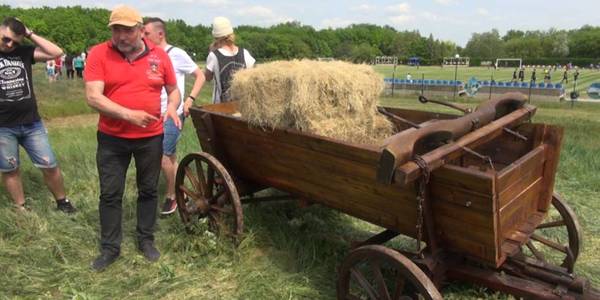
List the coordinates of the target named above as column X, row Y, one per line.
column 453, row 20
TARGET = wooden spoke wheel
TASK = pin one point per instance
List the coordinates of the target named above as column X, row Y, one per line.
column 376, row 272
column 204, row 189
column 557, row 240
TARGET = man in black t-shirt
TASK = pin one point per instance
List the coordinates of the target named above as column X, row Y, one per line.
column 521, row 74
column 20, row 123
column 69, row 66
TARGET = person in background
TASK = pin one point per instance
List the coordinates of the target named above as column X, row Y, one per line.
column 576, row 75
column 58, row 63
column 224, row 59
column 51, row 70
column 409, row 77
column 565, row 78
column 79, row 65
column 124, row 78
column 20, row 123
column 533, row 76
column 156, row 32
column 69, row 66
column 522, row 74
column 547, row 75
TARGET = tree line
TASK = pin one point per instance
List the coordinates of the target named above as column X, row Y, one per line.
column 77, row 28
column 579, row 46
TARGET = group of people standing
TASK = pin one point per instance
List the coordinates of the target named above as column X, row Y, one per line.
column 519, row 75
column 135, row 81
column 71, row 63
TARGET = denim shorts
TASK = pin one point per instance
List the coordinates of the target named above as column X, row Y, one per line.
column 171, row 136
column 33, row 137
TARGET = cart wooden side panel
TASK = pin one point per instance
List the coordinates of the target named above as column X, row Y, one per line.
column 338, row 175
column 487, row 214
column 525, row 187
column 463, row 207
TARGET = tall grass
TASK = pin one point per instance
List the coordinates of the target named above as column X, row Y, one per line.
column 286, row 253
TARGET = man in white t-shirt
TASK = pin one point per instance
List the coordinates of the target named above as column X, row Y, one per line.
column 224, row 59
column 155, row 31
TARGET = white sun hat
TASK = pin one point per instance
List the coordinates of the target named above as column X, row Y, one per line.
column 221, row 27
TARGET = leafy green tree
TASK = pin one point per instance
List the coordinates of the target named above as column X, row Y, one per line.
column 364, row 53
column 486, row 45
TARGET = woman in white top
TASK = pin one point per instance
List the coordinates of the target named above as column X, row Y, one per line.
column 224, row 59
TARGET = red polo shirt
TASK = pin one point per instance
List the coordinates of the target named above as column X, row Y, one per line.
column 134, row 85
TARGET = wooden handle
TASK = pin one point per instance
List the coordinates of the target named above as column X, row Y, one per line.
column 404, row 145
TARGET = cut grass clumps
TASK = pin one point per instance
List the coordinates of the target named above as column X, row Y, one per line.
column 332, row 99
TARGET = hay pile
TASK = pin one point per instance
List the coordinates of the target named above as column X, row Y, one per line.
column 333, row 99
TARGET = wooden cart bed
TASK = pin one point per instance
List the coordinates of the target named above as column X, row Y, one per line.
column 481, row 212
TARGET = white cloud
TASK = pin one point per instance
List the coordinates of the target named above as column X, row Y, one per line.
column 336, row 23
column 211, row 3
column 206, row 3
column 430, row 16
column 401, row 8
column 401, row 19
column 256, row 11
column 400, row 13
column 483, row 12
column 445, row 2
column 262, row 15
column 156, row 14
column 363, row 8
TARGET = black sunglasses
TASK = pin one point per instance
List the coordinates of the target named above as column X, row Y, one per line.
column 7, row 40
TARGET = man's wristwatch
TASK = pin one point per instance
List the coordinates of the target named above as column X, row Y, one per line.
column 28, row 35
column 192, row 97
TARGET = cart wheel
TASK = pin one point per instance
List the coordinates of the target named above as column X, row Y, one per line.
column 205, row 189
column 558, row 239
column 376, row 272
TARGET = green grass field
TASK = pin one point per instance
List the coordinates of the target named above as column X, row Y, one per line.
column 287, row 252
column 586, row 77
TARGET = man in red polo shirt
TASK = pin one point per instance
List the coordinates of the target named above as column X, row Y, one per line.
column 123, row 80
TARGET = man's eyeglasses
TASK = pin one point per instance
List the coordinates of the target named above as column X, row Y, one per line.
column 7, row 40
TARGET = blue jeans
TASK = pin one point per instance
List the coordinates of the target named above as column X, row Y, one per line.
column 171, row 136
column 33, row 137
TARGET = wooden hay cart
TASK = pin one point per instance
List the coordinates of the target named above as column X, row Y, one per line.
column 475, row 191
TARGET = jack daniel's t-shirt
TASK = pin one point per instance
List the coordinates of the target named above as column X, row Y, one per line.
column 17, row 100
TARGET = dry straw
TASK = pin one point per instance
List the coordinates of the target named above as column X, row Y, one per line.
column 333, row 99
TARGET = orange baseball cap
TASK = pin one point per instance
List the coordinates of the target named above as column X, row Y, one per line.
column 124, row 15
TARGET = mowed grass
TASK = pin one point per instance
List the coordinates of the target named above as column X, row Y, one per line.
column 586, row 76
column 287, row 252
